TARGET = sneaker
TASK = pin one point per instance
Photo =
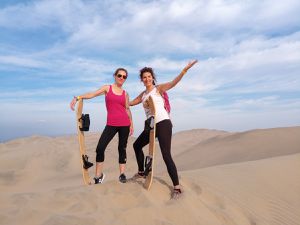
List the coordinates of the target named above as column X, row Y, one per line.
column 122, row 178
column 139, row 175
column 176, row 193
column 99, row 180
column 136, row 177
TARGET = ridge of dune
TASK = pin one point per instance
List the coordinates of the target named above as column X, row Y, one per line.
column 183, row 140
column 240, row 146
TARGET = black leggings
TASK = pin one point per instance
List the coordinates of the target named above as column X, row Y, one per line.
column 107, row 135
column 164, row 135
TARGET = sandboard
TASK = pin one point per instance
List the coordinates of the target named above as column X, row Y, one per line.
column 149, row 161
column 85, row 164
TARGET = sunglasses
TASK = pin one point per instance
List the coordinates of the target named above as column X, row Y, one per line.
column 123, row 76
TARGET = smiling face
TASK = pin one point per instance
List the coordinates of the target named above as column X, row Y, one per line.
column 147, row 79
column 147, row 76
column 120, row 77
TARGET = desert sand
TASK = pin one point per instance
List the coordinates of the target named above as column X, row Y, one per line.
column 242, row 178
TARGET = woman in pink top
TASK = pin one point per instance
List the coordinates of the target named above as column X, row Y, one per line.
column 119, row 120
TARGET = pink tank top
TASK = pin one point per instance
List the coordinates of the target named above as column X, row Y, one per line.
column 116, row 109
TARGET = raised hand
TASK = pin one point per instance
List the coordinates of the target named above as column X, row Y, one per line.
column 189, row 65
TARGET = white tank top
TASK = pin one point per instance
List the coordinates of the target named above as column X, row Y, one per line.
column 161, row 113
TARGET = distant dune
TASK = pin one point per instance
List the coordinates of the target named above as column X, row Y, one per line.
column 246, row 178
column 226, row 148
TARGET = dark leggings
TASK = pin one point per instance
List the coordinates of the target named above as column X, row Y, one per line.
column 164, row 135
column 107, row 135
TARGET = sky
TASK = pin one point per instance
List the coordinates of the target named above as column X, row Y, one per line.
column 247, row 77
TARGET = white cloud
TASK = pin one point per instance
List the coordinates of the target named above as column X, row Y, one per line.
column 37, row 14
column 248, row 52
column 163, row 64
column 21, row 61
column 162, row 27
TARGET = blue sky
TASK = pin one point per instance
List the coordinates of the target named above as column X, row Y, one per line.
column 248, row 75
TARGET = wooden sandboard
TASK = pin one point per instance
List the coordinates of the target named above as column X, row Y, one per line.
column 81, row 140
column 149, row 178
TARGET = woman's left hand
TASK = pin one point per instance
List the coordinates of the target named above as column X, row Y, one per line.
column 189, row 65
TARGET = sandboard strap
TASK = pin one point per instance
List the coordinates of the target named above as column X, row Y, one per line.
column 149, row 124
column 86, row 163
column 148, row 165
column 84, row 122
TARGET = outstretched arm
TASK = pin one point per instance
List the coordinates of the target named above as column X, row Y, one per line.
column 137, row 100
column 166, row 86
column 104, row 89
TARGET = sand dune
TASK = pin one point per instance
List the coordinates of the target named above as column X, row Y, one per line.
column 184, row 140
column 240, row 147
column 40, row 181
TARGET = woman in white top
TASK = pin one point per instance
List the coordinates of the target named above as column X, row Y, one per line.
column 163, row 123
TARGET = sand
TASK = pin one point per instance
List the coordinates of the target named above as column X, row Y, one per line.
column 228, row 178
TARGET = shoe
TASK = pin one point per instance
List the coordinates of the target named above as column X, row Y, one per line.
column 136, row 177
column 99, row 180
column 139, row 175
column 176, row 193
column 122, row 178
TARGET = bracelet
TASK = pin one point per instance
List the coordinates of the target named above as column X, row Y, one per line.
column 77, row 98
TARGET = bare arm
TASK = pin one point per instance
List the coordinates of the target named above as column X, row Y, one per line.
column 101, row 91
column 137, row 100
column 166, row 86
column 129, row 114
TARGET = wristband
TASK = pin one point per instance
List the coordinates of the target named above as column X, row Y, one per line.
column 77, row 98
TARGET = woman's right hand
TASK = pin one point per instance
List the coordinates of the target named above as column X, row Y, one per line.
column 73, row 103
column 131, row 130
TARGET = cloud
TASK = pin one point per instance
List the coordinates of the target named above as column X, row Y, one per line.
column 21, row 61
column 159, row 25
column 261, row 67
column 154, row 27
column 37, row 14
column 248, row 52
column 163, row 64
